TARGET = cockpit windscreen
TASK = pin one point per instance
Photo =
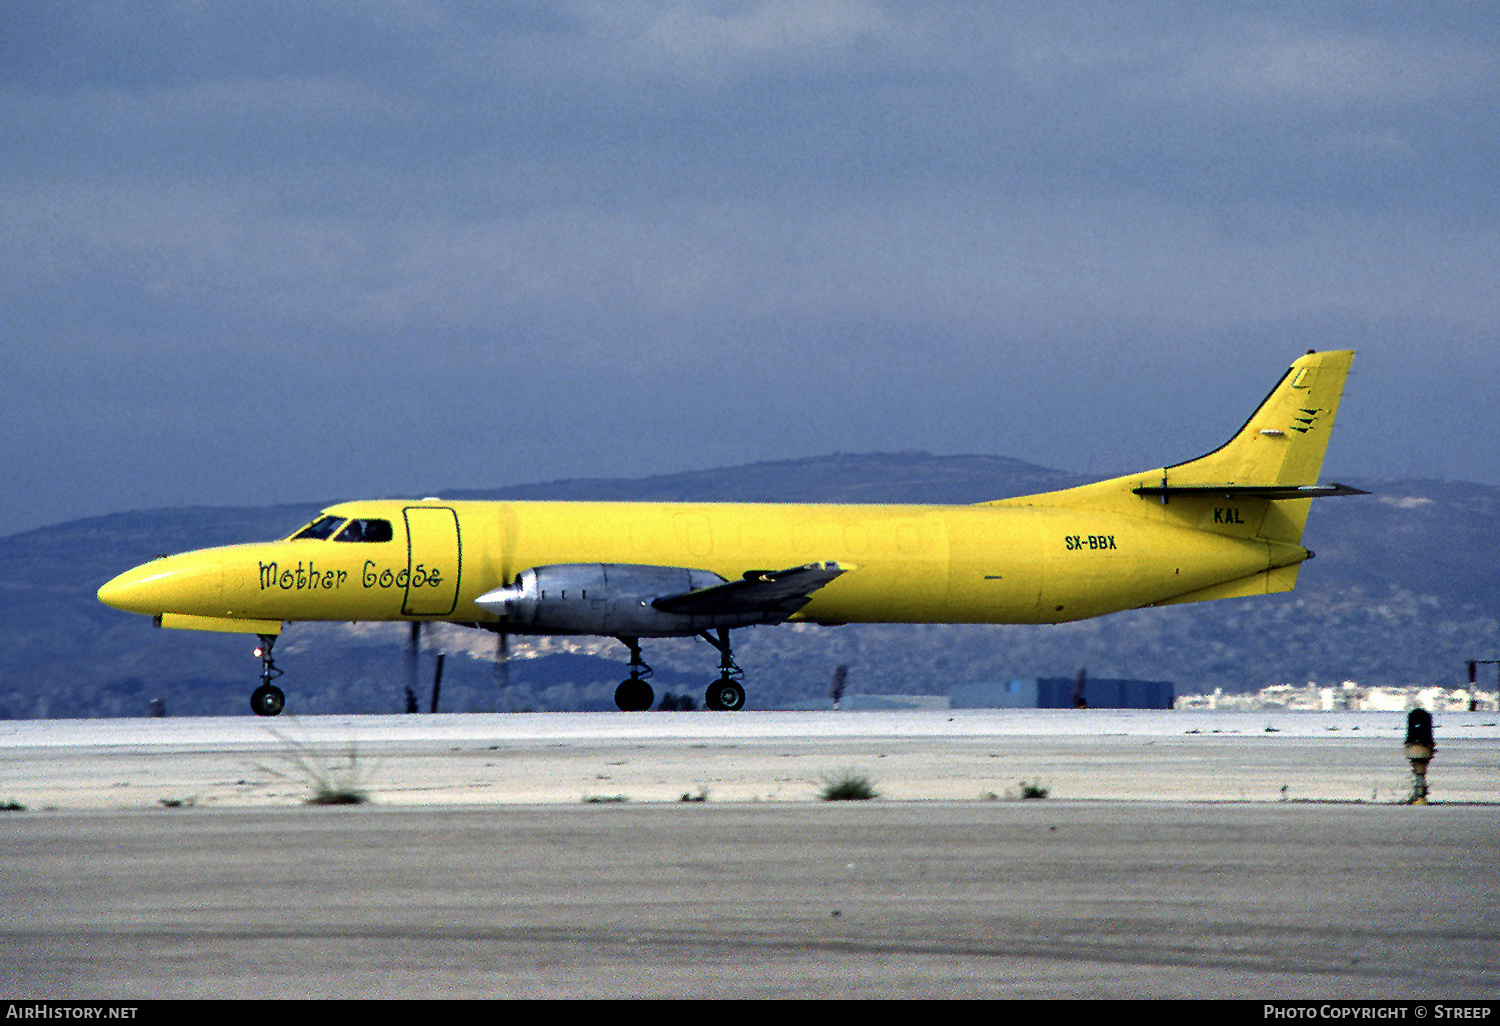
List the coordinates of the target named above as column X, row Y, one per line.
column 321, row 528
column 366, row 531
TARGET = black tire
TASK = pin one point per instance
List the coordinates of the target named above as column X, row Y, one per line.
column 634, row 695
column 725, row 696
column 267, row 700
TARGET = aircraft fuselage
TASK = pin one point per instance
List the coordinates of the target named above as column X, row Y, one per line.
column 909, row 564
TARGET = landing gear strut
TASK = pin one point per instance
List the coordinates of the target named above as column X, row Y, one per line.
column 267, row 700
column 635, row 695
column 725, row 694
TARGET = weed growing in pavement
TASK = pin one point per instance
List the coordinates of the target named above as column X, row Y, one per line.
column 328, row 782
column 848, row 787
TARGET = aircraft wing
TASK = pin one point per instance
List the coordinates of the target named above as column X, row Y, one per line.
column 769, row 592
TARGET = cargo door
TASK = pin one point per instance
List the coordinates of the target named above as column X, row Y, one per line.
column 434, row 560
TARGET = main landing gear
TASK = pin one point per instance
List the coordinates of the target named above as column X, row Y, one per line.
column 267, row 700
column 724, row 695
column 635, row 695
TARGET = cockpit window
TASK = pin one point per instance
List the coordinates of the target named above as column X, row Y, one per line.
column 366, row 531
column 320, row 528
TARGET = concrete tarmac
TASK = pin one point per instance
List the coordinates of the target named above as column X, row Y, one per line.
column 968, row 754
column 245, row 892
column 885, row 899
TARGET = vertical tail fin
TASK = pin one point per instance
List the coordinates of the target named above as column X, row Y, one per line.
column 1279, row 451
column 1284, row 440
column 1270, row 466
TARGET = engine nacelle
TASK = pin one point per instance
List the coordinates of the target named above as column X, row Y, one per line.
column 608, row 599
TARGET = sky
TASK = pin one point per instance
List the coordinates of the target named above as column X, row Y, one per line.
column 267, row 252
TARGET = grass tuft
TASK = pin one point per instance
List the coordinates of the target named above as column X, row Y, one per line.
column 848, row 787
column 335, row 794
column 328, row 783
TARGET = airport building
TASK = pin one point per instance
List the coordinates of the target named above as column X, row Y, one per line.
column 1063, row 693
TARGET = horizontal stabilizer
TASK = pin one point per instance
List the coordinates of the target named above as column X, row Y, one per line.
column 1252, row 491
column 764, row 591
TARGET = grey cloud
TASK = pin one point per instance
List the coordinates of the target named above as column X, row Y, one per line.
column 696, row 212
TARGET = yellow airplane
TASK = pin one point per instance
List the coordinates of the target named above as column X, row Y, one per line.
column 1225, row 525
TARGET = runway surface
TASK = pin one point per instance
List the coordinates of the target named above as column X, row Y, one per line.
column 896, row 899
column 1168, row 860
column 749, row 756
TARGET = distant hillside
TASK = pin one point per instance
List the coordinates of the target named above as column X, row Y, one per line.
column 1404, row 589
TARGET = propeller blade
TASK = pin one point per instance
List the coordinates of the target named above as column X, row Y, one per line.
column 437, row 681
column 502, row 660
column 413, row 653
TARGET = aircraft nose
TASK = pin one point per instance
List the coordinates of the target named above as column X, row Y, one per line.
column 166, row 585
column 137, row 590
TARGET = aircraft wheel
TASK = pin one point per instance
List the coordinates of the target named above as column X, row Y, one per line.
column 634, row 695
column 725, row 696
column 267, row 700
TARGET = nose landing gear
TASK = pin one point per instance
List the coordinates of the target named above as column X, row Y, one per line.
column 267, row 700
